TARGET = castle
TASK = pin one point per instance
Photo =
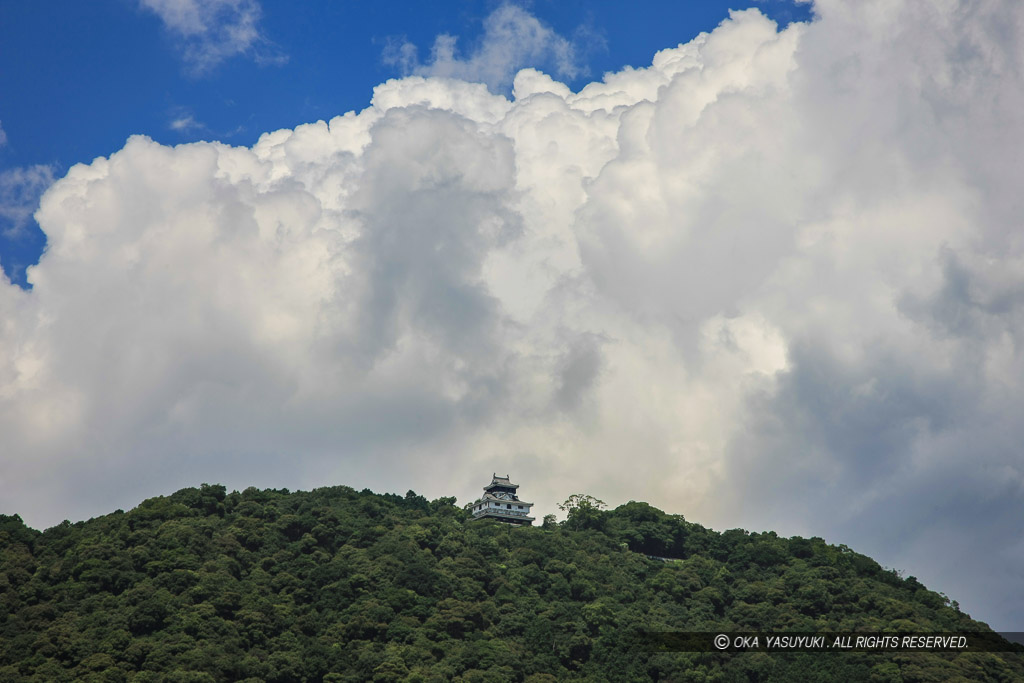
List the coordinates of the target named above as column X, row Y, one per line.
column 500, row 502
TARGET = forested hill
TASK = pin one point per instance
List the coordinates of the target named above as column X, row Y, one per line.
column 338, row 585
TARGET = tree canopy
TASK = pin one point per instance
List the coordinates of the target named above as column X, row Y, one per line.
column 339, row 585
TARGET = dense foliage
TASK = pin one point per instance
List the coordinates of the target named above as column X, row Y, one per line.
column 338, row 585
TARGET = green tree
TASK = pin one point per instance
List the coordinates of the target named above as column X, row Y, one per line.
column 583, row 512
column 340, row 585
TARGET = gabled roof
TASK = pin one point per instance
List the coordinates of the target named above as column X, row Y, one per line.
column 490, row 496
column 501, row 481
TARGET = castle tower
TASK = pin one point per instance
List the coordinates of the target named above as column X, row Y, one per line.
column 500, row 502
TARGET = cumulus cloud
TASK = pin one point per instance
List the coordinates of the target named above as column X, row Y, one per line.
column 772, row 280
column 3, row 135
column 512, row 38
column 211, row 31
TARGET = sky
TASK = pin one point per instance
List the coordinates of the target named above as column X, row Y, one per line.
column 759, row 264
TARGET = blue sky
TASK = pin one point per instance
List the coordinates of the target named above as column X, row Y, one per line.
column 78, row 78
column 769, row 276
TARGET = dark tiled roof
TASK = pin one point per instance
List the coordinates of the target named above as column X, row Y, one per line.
column 489, row 497
column 501, row 481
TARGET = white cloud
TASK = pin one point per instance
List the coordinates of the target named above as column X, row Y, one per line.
column 772, row 280
column 512, row 39
column 211, row 31
column 3, row 135
column 184, row 122
column 20, row 189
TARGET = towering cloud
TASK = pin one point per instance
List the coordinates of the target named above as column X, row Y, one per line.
column 773, row 280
